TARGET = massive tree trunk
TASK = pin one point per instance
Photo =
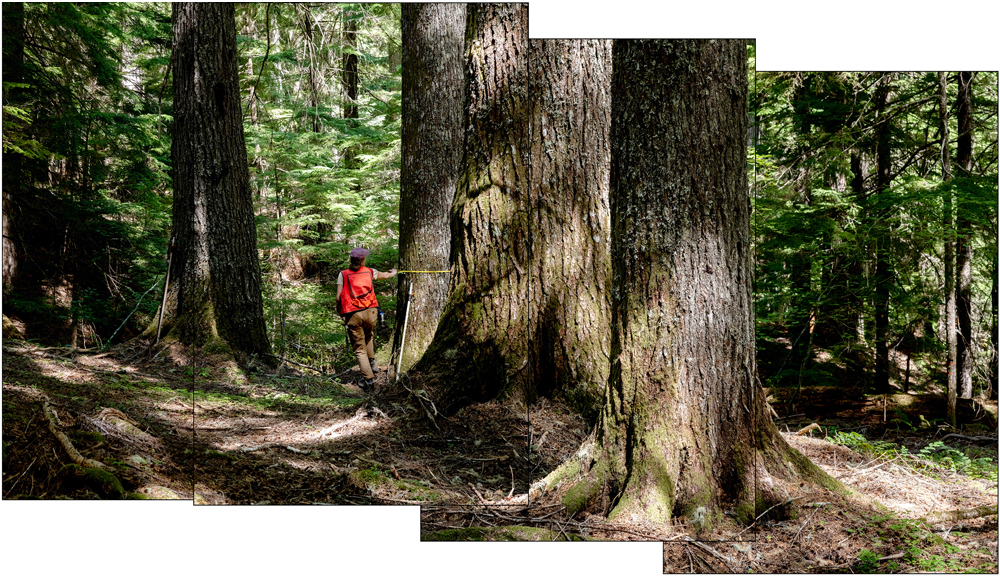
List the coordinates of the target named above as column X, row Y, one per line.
column 963, row 246
column 433, row 94
column 570, row 88
column 216, row 271
column 529, row 221
column 481, row 346
column 681, row 419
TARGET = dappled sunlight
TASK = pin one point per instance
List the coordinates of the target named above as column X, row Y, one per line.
column 893, row 482
column 251, row 434
column 62, row 373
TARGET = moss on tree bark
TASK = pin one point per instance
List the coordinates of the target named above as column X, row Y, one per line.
column 684, row 432
column 529, row 222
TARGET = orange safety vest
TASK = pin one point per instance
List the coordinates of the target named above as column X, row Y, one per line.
column 358, row 293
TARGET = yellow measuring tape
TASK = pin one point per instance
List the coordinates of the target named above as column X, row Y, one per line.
column 405, row 271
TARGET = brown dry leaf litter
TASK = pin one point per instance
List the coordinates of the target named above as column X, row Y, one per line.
column 827, row 533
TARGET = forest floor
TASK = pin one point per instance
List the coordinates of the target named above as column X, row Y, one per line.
column 175, row 426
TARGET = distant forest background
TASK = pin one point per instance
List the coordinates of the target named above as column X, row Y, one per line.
column 876, row 230
column 87, row 173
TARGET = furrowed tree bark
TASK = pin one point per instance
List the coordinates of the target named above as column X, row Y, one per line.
column 963, row 244
column 481, row 346
column 217, row 276
column 681, row 427
column 529, row 221
column 570, row 88
column 433, row 116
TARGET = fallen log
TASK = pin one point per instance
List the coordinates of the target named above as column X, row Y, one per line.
column 74, row 454
column 959, row 515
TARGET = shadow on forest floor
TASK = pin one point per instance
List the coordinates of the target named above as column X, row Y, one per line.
column 277, row 438
column 285, row 438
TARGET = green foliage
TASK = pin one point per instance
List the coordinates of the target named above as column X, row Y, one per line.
column 90, row 194
column 867, row 561
column 971, row 462
column 860, row 444
column 821, row 223
column 87, row 118
column 325, row 182
column 15, row 123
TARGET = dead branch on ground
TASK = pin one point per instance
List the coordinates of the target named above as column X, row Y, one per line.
column 74, row 454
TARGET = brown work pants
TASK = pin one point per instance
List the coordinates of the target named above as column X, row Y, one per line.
column 359, row 328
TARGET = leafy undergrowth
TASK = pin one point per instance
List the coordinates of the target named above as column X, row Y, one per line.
column 934, row 459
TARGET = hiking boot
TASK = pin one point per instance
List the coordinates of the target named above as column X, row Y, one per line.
column 367, row 384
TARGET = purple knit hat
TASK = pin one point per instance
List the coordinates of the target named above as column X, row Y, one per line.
column 359, row 253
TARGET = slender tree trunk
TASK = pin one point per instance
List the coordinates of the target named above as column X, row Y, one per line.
column 13, row 72
column 858, row 270
column 570, row 273
column 433, row 95
column 949, row 253
column 349, row 75
column 218, row 275
column 481, row 346
column 995, row 351
column 349, row 80
column 681, row 419
column 801, row 263
column 883, row 274
column 963, row 246
column 307, row 34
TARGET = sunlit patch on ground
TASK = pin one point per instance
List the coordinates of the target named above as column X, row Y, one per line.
column 893, row 482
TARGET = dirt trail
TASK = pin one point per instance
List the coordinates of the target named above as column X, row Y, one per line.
column 288, row 438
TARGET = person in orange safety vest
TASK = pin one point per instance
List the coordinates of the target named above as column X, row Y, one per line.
column 357, row 305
